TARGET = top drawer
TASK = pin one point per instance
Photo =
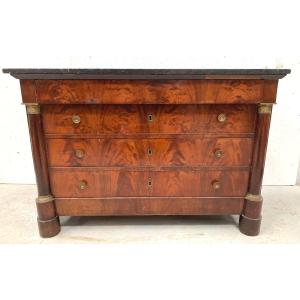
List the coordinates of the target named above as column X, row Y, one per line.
column 154, row 119
column 227, row 91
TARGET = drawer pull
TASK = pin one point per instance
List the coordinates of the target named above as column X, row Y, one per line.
column 83, row 185
column 150, row 152
column 150, row 182
column 221, row 118
column 219, row 153
column 79, row 153
column 75, row 119
column 150, row 118
column 216, row 184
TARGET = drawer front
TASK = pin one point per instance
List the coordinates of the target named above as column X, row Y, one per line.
column 79, row 183
column 132, row 206
column 184, row 151
column 154, row 92
column 156, row 119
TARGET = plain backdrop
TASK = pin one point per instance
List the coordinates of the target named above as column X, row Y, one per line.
column 150, row 34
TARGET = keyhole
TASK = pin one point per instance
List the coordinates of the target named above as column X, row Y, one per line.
column 149, row 182
column 150, row 152
column 150, row 118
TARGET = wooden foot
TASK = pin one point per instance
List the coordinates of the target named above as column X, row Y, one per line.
column 49, row 228
column 250, row 219
column 48, row 221
column 249, row 226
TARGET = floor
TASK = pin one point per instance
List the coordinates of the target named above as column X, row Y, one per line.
column 281, row 223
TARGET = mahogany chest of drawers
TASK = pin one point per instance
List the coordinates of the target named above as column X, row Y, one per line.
column 148, row 142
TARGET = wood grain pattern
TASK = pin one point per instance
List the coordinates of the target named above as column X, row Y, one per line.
column 130, row 119
column 151, row 91
column 65, row 182
column 148, row 206
column 184, row 151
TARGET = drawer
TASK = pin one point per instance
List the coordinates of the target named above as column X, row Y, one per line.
column 183, row 151
column 133, row 206
column 156, row 119
column 154, row 91
column 93, row 183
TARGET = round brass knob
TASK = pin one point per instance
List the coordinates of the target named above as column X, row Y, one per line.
column 221, row 118
column 79, row 153
column 75, row 119
column 219, row 153
column 216, row 184
column 83, row 185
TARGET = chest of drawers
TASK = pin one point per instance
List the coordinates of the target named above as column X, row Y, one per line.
column 148, row 142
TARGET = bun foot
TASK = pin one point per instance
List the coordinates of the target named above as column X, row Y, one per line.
column 49, row 228
column 249, row 226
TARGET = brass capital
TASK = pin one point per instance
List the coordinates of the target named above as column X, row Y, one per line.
column 44, row 199
column 265, row 108
column 255, row 198
column 32, row 108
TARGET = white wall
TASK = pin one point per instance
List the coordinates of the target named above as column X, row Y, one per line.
column 298, row 177
column 151, row 34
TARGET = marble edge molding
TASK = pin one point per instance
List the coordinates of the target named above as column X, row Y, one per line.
column 142, row 73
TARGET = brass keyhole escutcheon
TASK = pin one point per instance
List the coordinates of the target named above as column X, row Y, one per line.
column 150, row 118
column 75, row 119
column 79, row 153
column 150, row 183
column 150, row 152
column 219, row 153
column 221, row 118
column 216, row 184
column 83, row 185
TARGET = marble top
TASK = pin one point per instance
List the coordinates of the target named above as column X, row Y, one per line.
column 145, row 73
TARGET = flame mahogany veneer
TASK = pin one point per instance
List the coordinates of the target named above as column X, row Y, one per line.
column 148, row 142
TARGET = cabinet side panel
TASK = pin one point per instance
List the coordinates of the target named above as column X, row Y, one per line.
column 28, row 91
